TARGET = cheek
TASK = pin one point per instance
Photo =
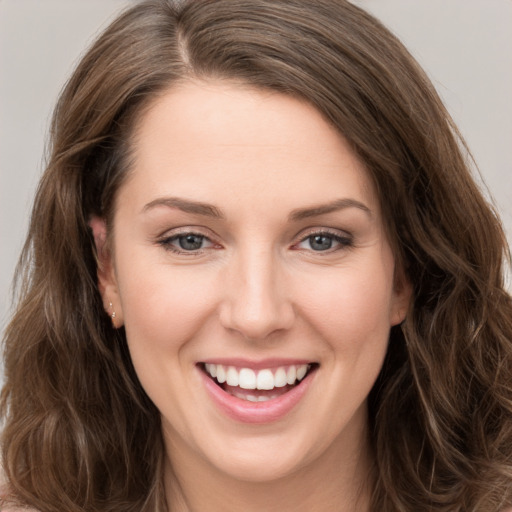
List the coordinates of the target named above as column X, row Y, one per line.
column 163, row 306
column 353, row 305
column 164, row 310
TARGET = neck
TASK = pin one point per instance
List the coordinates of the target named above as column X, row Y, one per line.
column 339, row 480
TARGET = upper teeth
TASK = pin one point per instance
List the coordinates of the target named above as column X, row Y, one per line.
column 265, row 379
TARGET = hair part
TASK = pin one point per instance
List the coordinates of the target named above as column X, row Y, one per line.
column 80, row 432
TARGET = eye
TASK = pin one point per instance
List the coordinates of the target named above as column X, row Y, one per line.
column 190, row 242
column 325, row 241
column 186, row 242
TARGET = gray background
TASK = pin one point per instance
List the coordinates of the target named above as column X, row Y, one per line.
column 463, row 44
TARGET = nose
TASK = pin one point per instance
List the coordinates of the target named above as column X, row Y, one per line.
column 256, row 297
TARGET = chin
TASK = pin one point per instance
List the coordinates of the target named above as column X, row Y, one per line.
column 261, row 467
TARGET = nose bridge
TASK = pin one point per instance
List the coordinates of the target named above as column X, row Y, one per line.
column 256, row 300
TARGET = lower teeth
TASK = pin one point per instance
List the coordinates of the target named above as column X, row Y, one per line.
column 254, row 398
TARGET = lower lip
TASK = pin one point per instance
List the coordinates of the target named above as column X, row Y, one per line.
column 245, row 411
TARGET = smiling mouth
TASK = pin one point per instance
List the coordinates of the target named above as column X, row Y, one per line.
column 258, row 385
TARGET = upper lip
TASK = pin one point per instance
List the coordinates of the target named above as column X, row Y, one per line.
column 239, row 362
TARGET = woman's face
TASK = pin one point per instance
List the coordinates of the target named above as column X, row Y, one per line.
column 249, row 244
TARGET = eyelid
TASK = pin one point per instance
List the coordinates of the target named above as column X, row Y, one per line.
column 321, row 230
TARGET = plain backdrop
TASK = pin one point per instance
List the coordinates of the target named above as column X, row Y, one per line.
column 464, row 45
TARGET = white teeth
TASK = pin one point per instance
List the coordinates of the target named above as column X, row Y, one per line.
column 301, row 371
column 232, row 377
column 265, row 379
column 291, row 375
column 280, row 378
column 247, row 379
column 243, row 396
column 221, row 374
column 252, row 398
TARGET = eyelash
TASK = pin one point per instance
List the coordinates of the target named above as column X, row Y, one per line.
column 343, row 241
column 166, row 242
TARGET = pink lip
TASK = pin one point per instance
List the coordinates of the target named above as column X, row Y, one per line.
column 256, row 412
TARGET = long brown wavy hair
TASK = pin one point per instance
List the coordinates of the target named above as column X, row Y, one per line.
column 79, row 432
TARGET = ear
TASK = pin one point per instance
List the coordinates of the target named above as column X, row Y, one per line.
column 402, row 296
column 107, row 282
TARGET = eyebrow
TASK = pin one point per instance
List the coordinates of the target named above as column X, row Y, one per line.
column 185, row 205
column 208, row 210
column 322, row 209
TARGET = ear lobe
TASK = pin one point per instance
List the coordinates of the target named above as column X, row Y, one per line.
column 107, row 284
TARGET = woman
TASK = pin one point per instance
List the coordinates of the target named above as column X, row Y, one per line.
column 259, row 276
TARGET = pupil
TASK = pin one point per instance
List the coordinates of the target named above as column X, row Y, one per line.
column 190, row 242
column 320, row 242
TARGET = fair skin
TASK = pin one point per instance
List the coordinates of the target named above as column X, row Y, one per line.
column 248, row 235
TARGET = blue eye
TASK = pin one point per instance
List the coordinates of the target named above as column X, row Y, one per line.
column 320, row 242
column 325, row 241
column 190, row 242
column 186, row 242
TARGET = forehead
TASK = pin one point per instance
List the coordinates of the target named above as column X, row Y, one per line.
column 204, row 138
